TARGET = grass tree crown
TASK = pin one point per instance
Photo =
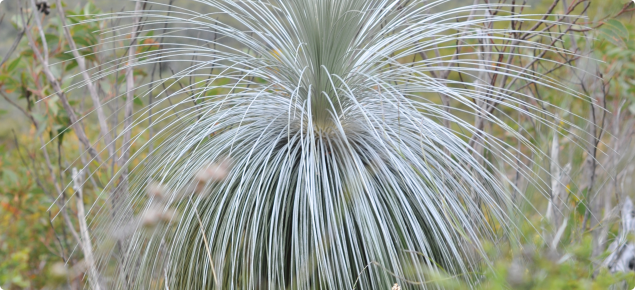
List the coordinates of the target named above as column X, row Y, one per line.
column 322, row 145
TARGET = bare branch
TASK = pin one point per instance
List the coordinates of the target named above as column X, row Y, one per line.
column 81, row 62
column 43, row 59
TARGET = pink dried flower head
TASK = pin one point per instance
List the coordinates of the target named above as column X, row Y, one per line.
column 151, row 217
column 155, row 190
column 168, row 216
column 155, row 215
column 214, row 172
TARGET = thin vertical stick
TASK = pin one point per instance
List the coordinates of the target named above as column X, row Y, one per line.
column 86, row 244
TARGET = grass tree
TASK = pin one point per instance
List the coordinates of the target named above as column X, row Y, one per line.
column 323, row 144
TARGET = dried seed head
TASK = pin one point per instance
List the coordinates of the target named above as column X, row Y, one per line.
column 151, row 217
column 42, row 7
column 155, row 190
column 396, row 287
column 155, row 215
column 168, row 216
column 214, row 172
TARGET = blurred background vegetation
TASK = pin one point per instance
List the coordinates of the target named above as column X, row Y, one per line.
column 35, row 137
